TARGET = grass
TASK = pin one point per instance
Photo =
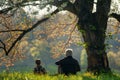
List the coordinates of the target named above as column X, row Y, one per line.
column 79, row 76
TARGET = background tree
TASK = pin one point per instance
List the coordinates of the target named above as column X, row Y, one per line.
column 47, row 31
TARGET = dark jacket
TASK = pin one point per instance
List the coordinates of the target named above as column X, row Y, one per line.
column 39, row 70
column 68, row 65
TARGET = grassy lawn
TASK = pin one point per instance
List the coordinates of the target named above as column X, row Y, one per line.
column 79, row 76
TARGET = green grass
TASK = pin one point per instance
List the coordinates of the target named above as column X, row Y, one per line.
column 79, row 76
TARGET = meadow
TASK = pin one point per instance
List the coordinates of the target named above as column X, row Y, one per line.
column 79, row 76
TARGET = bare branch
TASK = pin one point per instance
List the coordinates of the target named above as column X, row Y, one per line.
column 67, row 42
column 58, row 3
column 4, row 46
column 116, row 16
column 19, row 4
column 2, row 42
column 70, row 6
column 28, row 30
column 6, row 9
column 23, row 34
column 11, row 31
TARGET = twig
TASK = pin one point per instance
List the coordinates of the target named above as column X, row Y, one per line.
column 11, row 31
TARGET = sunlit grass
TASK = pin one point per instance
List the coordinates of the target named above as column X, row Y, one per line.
column 79, row 76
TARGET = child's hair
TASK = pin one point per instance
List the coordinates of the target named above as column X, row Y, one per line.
column 38, row 61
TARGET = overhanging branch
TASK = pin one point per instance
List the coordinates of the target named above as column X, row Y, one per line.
column 69, row 7
column 15, row 5
column 30, row 29
column 116, row 16
column 11, row 31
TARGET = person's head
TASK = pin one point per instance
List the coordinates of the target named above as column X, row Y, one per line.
column 68, row 52
column 38, row 61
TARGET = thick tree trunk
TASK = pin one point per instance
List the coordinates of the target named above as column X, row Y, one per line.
column 94, row 40
column 93, row 28
column 97, row 57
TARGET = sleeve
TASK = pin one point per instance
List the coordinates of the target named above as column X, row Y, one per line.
column 43, row 70
column 35, row 70
column 59, row 62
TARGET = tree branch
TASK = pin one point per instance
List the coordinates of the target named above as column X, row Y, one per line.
column 58, row 3
column 15, row 5
column 23, row 34
column 11, row 31
column 28, row 30
column 116, row 16
column 4, row 46
column 70, row 6
column 67, row 42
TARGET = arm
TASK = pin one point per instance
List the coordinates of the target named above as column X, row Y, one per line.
column 34, row 70
column 44, row 71
column 59, row 62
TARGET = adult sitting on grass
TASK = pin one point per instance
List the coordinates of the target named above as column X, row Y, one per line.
column 68, row 65
column 39, row 69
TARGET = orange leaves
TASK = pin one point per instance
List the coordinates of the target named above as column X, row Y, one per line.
column 7, row 61
column 61, row 31
column 113, row 26
column 5, row 21
column 114, row 58
column 58, row 33
column 9, row 32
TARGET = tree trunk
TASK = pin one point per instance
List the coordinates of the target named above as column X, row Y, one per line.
column 94, row 39
column 93, row 28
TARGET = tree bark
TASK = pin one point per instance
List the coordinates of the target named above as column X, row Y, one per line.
column 94, row 40
column 93, row 27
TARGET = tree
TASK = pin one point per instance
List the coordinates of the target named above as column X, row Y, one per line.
column 91, row 24
column 13, row 24
column 94, row 27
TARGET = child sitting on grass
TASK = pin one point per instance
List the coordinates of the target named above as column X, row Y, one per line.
column 39, row 69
